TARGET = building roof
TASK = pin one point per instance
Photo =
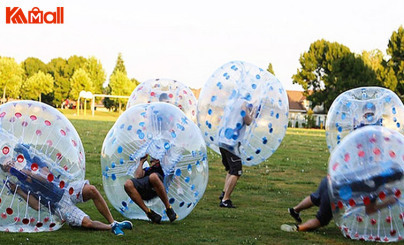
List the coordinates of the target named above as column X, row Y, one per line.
column 296, row 99
column 196, row 92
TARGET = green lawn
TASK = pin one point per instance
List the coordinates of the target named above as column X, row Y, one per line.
column 262, row 196
column 71, row 114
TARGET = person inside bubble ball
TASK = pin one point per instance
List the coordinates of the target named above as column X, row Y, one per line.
column 231, row 140
column 148, row 184
column 164, row 98
column 321, row 199
column 35, row 187
column 368, row 117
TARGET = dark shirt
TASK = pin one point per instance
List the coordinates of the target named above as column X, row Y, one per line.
column 156, row 168
column 363, row 124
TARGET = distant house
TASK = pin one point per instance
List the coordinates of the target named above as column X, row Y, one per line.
column 196, row 92
column 299, row 107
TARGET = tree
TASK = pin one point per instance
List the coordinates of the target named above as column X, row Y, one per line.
column 136, row 82
column 270, row 69
column 74, row 63
column 120, row 66
column 395, row 49
column 11, row 75
column 80, row 81
column 121, row 85
column 348, row 72
column 330, row 69
column 385, row 74
column 96, row 72
column 38, row 84
column 32, row 65
column 58, row 69
column 108, row 102
column 310, row 120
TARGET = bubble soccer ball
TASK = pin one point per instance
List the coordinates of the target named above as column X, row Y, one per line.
column 365, row 184
column 40, row 154
column 360, row 107
column 168, row 91
column 234, row 90
column 163, row 132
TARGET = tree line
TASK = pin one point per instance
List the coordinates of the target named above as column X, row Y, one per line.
column 62, row 79
column 329, row 69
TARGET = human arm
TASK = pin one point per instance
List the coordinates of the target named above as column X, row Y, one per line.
column 373, row 206
column 139, row 172
column 249, row 114
column 32, row 201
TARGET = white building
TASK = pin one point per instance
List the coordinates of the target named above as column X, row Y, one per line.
column 299, row 107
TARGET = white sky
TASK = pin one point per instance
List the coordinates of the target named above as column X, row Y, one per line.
column 188, row 40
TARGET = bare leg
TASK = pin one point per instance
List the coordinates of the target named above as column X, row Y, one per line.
column 304, row 204
column 91, row 192
column 135, row 196
column 229, row 186
column 225, row 181
column 159, row 188
column 97, row 225
column 309, row 225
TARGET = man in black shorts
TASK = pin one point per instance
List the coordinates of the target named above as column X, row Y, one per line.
column 233, row 166
column 232, row 162
column 319, row 198
column 146, row 185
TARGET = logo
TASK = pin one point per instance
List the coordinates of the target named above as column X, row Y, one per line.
column 15, row 15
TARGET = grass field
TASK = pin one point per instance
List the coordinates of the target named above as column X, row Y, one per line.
column 262, row 196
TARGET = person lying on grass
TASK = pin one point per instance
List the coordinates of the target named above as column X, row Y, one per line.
column 321, row 199
column 37, row 189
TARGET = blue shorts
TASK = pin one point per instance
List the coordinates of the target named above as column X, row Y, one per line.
column 321, row 199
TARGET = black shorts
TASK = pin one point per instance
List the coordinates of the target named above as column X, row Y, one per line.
column 231, row 162
column 144, row 187
column 321, row 199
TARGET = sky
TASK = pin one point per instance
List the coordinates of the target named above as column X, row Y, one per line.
column 188, row 40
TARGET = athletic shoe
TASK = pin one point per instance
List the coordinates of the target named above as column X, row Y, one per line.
column 295, row 215
column 153, row 216
column 221, row 196
column 289, row 228
column 116, row 230
column 125, row 225
column 171, row 214
column 227, row 204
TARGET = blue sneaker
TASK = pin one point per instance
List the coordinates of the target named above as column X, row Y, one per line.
column 116, row 230
column 125, row 225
